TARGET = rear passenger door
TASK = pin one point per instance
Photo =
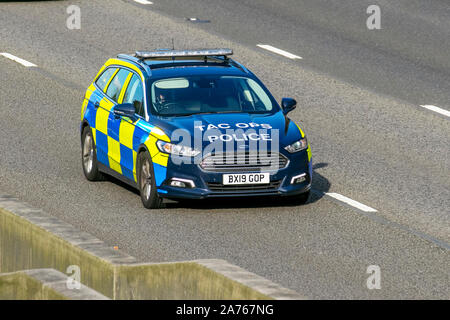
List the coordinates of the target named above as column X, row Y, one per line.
column 99, row 115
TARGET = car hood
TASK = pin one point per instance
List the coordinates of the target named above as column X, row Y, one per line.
column 241, row 128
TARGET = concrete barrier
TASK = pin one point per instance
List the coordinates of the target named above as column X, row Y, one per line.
column 42, row 284
column 30, row 239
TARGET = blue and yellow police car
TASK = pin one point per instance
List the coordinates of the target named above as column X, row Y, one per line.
column 191, row 124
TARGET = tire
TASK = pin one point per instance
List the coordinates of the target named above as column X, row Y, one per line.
column 89, row 156
column 299, row 199
column 146, row 182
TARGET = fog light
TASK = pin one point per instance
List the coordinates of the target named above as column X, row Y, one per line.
column 181, row 183
column 298, row 179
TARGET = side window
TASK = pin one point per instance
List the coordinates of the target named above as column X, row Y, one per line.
column 135, row 95
column 116, row 84
column 102, row 81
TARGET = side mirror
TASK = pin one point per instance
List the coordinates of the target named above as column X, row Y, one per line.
column 124, row 110
column 288, row 104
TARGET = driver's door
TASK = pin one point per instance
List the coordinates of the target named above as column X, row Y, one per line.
column 133, row 93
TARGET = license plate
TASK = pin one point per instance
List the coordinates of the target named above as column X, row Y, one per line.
column 246, row 178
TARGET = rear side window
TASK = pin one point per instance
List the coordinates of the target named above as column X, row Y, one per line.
column 116, row 84
column 135, row 95
column 104, row 78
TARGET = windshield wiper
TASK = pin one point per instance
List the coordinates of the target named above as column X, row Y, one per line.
column 195, row 113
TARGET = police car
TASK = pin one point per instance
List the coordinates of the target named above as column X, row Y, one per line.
column 191, row 124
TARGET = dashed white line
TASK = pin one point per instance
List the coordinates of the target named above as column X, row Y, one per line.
column 143, row 1
column 351, row 202
column 436, row 109
column 18, row 60
column 279, row 51
column 371, row 214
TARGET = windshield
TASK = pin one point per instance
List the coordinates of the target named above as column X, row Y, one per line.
column 208, row 94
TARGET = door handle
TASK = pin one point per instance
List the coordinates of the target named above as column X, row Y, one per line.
column 96, row 104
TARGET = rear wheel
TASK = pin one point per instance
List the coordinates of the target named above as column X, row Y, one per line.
column 146, row 182
column 89, row 156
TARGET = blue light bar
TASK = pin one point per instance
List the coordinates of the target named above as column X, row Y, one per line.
column 183, row 53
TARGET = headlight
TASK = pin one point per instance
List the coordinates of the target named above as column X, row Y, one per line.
column 176, row 149
column 297, row 146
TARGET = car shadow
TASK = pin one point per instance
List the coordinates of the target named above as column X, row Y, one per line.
column 320, row 186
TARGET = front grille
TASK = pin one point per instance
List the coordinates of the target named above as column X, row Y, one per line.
column 219, row 187
column 245, row 161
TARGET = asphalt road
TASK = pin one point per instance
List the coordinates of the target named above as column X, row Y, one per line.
column 408, row 58
column 359, row 95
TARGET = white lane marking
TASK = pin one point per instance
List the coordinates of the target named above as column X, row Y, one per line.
column 351, row 202
column 279, row 51
column 436, row 109
column 379, row 219
column 18, row 60
column 143, row 1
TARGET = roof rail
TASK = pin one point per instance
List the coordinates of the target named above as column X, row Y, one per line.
column 137, row 61
column 140, row 56
column 183, row 53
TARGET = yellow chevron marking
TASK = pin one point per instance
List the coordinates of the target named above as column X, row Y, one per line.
column 151, row 146
column 114, row 155
column 106, row 104
column 134, row 165
column 126, row 132
column 83, row 108
column 87, row 97
column 159, row 134
column 161, row 159
column 124, row 88
column 301, row 132
column 101, row 121
column 125, row 64
column 94, row 135
column 110, row 80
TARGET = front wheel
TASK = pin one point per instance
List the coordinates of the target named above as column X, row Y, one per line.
column 146, row 182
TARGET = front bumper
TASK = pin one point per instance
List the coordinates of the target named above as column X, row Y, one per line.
column 208, row 184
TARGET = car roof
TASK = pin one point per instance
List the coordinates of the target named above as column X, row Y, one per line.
column 184, row 66
column 187, row 67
